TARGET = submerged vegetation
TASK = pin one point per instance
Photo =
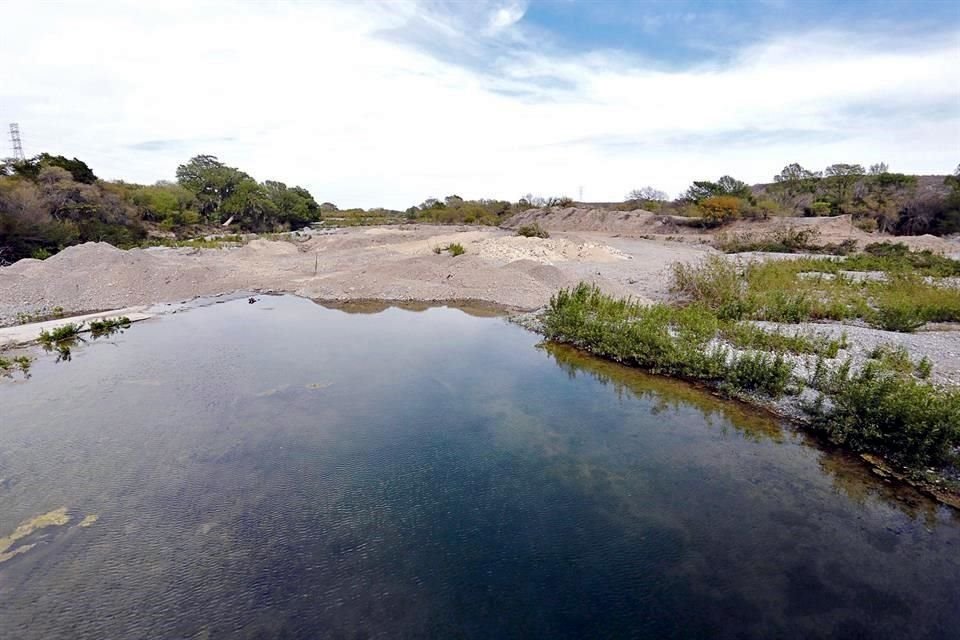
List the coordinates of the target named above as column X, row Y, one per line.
column 888, row 406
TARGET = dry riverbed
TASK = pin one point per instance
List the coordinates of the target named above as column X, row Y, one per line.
column 393, row 264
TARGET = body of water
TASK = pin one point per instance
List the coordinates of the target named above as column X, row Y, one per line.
column 285, row 470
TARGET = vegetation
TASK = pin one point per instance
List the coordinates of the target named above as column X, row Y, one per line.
column 883, row 409
column 680, row 342
column 64, row 333
column 456, row 249
column 51, row 202
column 532, row 231
column 455, row 210
column 886, row 407
column 39, row 316
column 108, row 326
column 9, row 365
column 788, row 240
column 824, row 289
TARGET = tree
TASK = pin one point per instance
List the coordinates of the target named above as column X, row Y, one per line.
column 880, row 167
column 725, row 186
column 646, row 194
column 294, row 206
column 793, row 182
column 211, row 181
column 250, row 205
column 78, row 169
column 843, row 177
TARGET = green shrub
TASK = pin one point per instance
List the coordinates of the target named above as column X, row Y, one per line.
column 532, row 231
column 108, row 326
column 716, row 282
column 9, row 365
column 879, row 410
column 456, row 249
column 63, row 333
column 659, row 338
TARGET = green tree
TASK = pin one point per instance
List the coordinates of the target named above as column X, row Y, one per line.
column 842, row 177
column 725, row 186
column 78, row 169
column 294, row 206
column 793, row 183
column 211, row 181
column 250, row 206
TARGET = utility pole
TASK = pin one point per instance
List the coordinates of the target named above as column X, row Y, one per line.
column 15, row 142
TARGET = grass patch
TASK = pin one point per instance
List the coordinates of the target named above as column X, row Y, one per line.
column 17, row 363
column 661, row 339
column 108, row 326
column 887, row 407
column 456, row 249
column 64, row 333
column 532, row 231
column 218, row 242
column 39, row 316
column 748, row 336
column 789, row 240
column 806, row 289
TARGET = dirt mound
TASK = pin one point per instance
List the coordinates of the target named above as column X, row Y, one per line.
column 349, row 264
column 577, row 219
column 546, row 251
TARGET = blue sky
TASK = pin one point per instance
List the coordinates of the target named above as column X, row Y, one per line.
column 678, row 32
column 389, row 102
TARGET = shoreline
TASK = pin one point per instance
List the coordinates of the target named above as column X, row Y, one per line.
column 14, row 338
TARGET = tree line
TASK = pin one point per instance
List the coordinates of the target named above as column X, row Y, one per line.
column 50, row 202
column 875, row 197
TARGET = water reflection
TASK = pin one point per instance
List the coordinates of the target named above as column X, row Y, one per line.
column 473, row 308
column 851, row 476
column 305, row 472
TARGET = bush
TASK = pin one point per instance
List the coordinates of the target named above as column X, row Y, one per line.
column 456, row 249
column 661, row 339
column 716, row 282
column 720, row 210
column 908, row 420
column 63, row 333
column 532, row 231
column 108, row 326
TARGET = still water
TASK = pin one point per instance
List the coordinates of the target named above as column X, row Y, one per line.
column 282, row 469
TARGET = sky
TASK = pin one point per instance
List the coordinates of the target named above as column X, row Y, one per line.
column 387, row 103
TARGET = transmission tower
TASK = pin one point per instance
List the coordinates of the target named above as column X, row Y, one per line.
column 15, row 141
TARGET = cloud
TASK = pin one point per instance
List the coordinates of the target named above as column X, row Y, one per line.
column 505, row 16
column 389, row 103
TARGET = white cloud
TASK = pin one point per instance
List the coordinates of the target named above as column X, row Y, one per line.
column 314, row 94
column 506, row 16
